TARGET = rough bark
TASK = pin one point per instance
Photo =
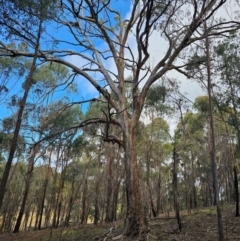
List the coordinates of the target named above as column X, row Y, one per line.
column 110, row 180
column 136, row 222
column 150, row 190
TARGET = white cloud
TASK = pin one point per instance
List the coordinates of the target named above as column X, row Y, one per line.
column 86, row 89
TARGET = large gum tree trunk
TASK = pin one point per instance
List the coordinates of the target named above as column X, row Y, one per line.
column 136, row 222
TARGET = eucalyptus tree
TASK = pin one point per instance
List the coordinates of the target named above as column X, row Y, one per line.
column 155, row 135
column 100, row 36
column 33, row 23
column 227, row 61
column 155, row 149
column 200, row 66
column 191, row 154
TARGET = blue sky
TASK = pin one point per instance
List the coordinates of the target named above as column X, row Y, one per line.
column 85, row 90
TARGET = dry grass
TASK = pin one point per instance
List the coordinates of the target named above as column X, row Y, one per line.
column 199, row 225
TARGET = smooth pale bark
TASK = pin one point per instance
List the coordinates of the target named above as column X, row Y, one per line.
column 213, row 145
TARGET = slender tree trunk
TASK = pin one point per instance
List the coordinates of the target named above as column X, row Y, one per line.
column 59, row 205
column 32, row 214
column 159, row 183
column 42, row 203
column 236, row 115
column 158, row 193
column 236, row 189
column 70, row 204
column 37, row 217
column 194, row 192
column 115, row 201
column 96, row 204
column 73, row 197
column 84, row 199
column 54, row 205
column 175, row 188
column 27, row 187
column 213, row 146
column 28, row 84
column 45, row 184
column 97, row 186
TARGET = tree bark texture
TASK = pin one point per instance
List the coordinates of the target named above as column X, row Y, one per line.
column 136, row 222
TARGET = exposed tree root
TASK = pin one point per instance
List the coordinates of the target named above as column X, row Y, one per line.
column 110, row 235
column 121, row 236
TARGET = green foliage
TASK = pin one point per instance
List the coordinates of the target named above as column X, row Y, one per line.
column 201, row 104
column 158, row 130
column 195, row 62
column 156, row 95
column 78, row 145
column 61, row 118
column 194, row 122
column 50, row 74
column 9, row 123
column 38, row 8
column 96, row 109
column 227, row 51
column 17, row 67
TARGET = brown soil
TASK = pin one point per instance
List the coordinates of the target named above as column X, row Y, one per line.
column 199, row 225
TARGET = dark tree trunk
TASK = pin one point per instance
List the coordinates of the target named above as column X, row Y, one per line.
column 213, row 145
column 175, row 188
column 84, row 200
column 27, row 187
column 28, row 84
column 158, row 193
column 236, row 190
column 42, row 203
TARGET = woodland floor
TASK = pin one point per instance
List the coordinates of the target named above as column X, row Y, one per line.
column 200, row 225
